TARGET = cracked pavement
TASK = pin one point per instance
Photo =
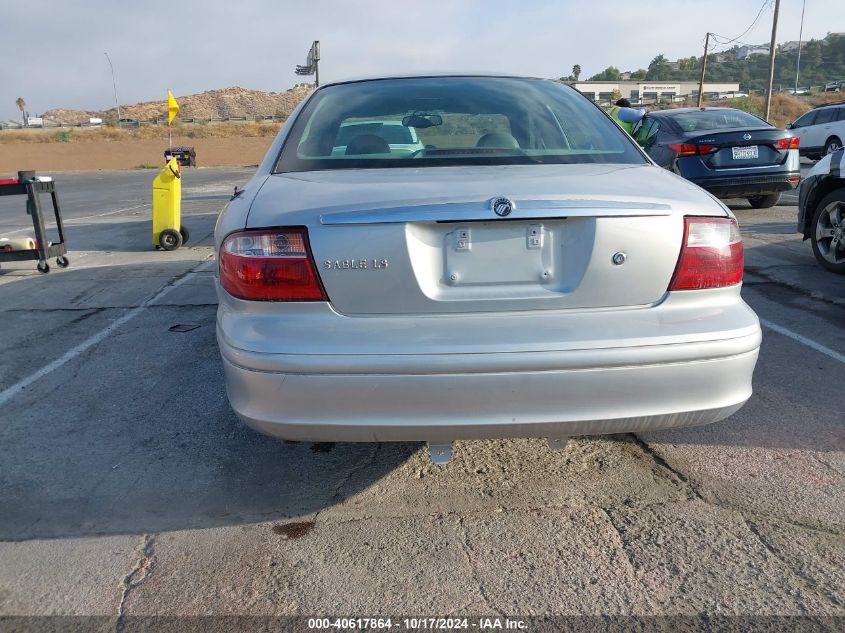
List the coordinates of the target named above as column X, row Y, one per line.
column 128, row 488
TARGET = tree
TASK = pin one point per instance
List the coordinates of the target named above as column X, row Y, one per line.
column 611, row 73
column 659, row 69
column 21, row 105
column 576, row 71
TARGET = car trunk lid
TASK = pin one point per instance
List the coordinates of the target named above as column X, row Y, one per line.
column 427, row 241
column 741, row 148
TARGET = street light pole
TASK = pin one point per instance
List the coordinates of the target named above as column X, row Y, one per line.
column 800, row 38
column 114, row 85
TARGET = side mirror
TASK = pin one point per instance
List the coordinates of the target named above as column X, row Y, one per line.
column 789, row 126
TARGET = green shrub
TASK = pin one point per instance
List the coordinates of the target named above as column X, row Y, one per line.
column 64, row 136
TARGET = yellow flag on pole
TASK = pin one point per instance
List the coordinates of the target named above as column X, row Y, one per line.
column 172, row 108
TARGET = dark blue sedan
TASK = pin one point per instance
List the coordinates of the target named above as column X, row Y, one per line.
column 728, row 152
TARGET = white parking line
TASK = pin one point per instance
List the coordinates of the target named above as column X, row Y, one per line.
column 71, row 221
column 803, row 340
column 68, row 356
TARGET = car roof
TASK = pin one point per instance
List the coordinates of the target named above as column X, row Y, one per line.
column 429, row 75
column 829, row 105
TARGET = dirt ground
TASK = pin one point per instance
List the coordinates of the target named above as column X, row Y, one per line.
column 126, row 154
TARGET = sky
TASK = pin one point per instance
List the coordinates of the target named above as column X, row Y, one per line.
column 52, row 52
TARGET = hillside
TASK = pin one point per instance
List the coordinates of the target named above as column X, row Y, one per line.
column 228, row 102
column 821, row 61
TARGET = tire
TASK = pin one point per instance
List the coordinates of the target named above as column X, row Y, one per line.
column 833, row 144
column 62, row 261
column 43, row 267
column 170, row 239
column 185, row 235
column 764, row 202
column 828, row 211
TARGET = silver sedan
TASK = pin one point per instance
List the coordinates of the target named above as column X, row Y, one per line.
column 527, row 272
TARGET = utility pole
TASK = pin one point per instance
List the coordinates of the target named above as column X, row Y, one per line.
column 772, row 60
column 315, row 48
column 800, row 41
column 114, row 85
column 703, row 68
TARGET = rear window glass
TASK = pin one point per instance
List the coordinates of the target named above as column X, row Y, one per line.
column 430, row 121
column 706, row 120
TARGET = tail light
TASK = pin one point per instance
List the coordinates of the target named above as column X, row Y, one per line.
column 711, row 255
column 270, row 265
column 792, row 142
column 688, row 149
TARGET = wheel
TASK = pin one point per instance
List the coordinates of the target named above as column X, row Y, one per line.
column 828, row 234
column 62, row 261
column 43, row 267
column 170, row 239
column 764, row 202
column 833, row 144
column 185, row 235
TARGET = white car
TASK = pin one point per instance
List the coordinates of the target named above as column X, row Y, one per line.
column 822, row 130
column 821, row 211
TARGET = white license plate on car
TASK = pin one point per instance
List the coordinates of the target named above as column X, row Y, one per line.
column 745, row 153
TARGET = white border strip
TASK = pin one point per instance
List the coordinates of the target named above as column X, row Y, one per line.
column 804, row 340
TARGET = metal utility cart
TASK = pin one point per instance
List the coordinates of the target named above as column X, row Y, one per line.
column 26, row 184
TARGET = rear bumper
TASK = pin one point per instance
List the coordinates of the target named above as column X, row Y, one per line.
column 446, row 407
column 681, row 363
column 749, row 185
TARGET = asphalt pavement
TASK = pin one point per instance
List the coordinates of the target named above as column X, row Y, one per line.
column 128, row 487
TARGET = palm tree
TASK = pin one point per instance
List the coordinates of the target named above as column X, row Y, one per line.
column 576, row 71
column 21, row 105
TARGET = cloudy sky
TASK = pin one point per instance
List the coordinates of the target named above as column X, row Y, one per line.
column 52, row 52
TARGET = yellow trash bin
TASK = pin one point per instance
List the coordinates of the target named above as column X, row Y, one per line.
column 168, row 232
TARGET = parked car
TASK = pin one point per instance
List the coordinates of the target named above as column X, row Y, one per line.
column 821, row 211
column 731, row 95
column 129, row 123
column 530, row 273
column 822, row 129
column 399, row 138
column 834, row 86
column 728, row 152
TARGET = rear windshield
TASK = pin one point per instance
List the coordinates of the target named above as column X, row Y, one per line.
column 451, row 121
column 705, row 120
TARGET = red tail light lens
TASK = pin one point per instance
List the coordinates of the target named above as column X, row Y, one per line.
column 683, row 149
column 270, row 265
column 688, row 149
column 711, row 255
column 793, row 142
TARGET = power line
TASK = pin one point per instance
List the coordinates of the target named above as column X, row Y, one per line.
column 766, row 3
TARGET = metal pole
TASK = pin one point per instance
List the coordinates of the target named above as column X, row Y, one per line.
column 316, row 48
column 703, row 68
column 772, row 60
column 114, row 85
column 800, row 38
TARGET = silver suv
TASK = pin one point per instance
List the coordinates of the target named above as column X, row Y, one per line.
column 822, row 130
